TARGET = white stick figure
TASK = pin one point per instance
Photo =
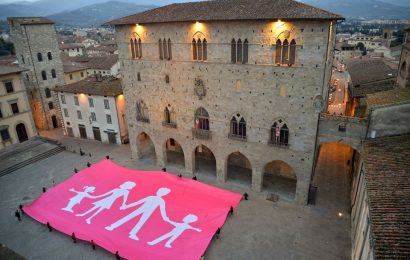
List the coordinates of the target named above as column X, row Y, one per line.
column 177, row 231
column 149, row 205
column 79, row 197
column 107, row 202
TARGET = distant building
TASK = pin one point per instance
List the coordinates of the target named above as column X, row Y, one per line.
column 16, row 120
column 107, row 65
column 345, row 51
column 370, row 42
column 35, row 40
column 403, row 77
column 94, row 108
column 73, row 49
column 74, row 72
column 102, row 50
column 88, row 43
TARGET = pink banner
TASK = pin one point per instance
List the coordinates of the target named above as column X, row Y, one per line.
column 140, row 214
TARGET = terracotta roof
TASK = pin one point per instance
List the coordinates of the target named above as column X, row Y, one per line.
column 362, row 91
column 71, row 46
column 387, row 174
column 364, row 70
column 72, row 67
column 103, row 62
column 106, row 86
column 6, row 70
column 30, row 20
column 222, row 10
column 107, row 43
column 392, row 97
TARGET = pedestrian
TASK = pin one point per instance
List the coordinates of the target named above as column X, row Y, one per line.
column 245, row 196
column 75, row 170
column 54, row 183
column 88, row 164
column 117, row 255
column 93, row 244
column 17, row 214
column 107, row 157
column 164, row 169
column 180, row 175
column 231, row 211
column 218, row 231
column 49, row 227
column 21, row 209
column 44, row 189
column 194, row 178
column 74, row 238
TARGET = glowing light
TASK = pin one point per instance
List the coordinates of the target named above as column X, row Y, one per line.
column 198, row 26
column 121, row 96
column 340, row 214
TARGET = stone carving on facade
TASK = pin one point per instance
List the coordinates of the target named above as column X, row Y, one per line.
column 318, row 103
column 199, row 88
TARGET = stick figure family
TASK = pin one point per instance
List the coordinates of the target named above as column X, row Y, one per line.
column 147, row 207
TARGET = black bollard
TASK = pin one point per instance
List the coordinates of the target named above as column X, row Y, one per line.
column 107, row 157
column 92, row 244
column 117, row 255
column 231, row 211
column 21, row 209
column 194, row 178
column 75, row 170
column 245, row 196
column 74, row 238
column 44, row 189
column 88, row 164
column 164, row 169
column 180, row 175
column 218, row 231
column 17, row 214
column 49, row 227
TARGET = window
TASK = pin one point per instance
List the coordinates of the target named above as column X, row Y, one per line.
column 161, row 50
column 82, row 74
column 50, row 105
column 62, row 99
column 239, row 51
column 14, row 108
column 91, row 102
column 169, row 50
column 79, row 116
column 65, row 112
column 138, row 76
column 108, row 119
column 44, row 75
column 199, row 50
column 106, row 104
column 76, row 101
column 39, row 57
column 71, row 76
column 164, row 47
column 9, row 86
column 53, row 73
column 5, row 134
column 93, row 117
column 285, row 53
column 49, row 56
column 167, row 79
column 142, row 112
column 136, row 48
column 48, row 92
column 238, row 127
column 279, row 133
column 201, row 119
column 169, row 118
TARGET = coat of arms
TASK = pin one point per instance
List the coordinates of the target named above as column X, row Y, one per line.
column 199, row 88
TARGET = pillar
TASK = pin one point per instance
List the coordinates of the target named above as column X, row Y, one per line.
column 302, row 188
column 221, row 170
column 189, row 162
column 257, row 178
column 161, row 152
column 135, row 152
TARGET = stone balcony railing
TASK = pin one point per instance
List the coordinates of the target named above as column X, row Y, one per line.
column 237, row 137
column 142, row 119
column 278, row 144
column 170, row 125
column 201, row 133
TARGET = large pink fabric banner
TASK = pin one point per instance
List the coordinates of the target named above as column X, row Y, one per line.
column 140, row 214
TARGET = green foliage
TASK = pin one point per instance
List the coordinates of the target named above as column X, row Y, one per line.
column 6, row 48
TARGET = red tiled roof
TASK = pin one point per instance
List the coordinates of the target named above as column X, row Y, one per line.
column 387, row 173
column 107, row 86
column 221, row 10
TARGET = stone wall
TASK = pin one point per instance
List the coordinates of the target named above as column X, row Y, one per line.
column 259, row 91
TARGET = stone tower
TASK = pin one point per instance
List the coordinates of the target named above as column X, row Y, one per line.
column 387, row 36
column 35, row 41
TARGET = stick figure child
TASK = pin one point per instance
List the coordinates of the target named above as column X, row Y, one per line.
column 177, row 231
column 79, row 197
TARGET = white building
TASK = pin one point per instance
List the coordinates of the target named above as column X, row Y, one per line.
column 93, row 108
column 370, row 42
column 73, row 49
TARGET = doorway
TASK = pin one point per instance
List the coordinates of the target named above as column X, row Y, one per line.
column 21, row 132
column 83, row 132
column 97, row 133
column 54, row 119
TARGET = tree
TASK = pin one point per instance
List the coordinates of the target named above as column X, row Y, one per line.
column 360, row 46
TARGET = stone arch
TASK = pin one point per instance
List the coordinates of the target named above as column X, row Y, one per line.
column 145, row 147
column 279, row 178
column 239, row 169
column 199, row 35
column 205, row 161
column 174, row 153
column 21, row 131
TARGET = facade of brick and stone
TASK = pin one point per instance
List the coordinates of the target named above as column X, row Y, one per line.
column 261, row 91
column 32, row 37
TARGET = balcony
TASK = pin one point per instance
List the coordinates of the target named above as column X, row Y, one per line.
column 202, row 134
column 278, row 144
column 237, row 137
column 169, row 124
column 143, row 119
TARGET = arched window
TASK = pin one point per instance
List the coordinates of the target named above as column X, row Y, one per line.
column 239, row 51
column 169, row 118
column 292, row 52
column 238, row 127
column 132, row 49
column 169, row 49
column 201, row 119
column 50, row 57
column 165, row 48
column 136, row 49
column 199, row 45
column 142, row 112
column 39, row 57
column 285, row 52
column 233, row 51
column 139, row 49
column 245, row 51
column 47, row 92
column 44, row 75
column 205, row 50
column 53, row 73
column 161, row 56
column 278, row 52
column 194, row 50
column 279, row 133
